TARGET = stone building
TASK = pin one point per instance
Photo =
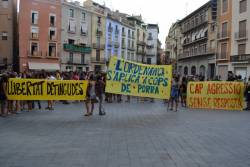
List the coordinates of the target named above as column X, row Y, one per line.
column 39, row 34
column 197, row 56
column 8, row 47
column 75, row 37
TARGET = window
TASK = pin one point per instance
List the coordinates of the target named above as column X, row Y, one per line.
column 133, row 45
column 72, row 26
column 82, row 58
column 52, row 50
column 224, row 30
column 243, row 6
column 34, row 32
column 148, row 60
column 99, row 20
column 224, row 6
column 52, row 20
column 83, row 29
column 150, row 36
column 71, row 13
column 123, row 54
column 129, row 35
column 223, row 51
column 5, row 3
column 71, row 55
column 98, row 56
column 34, row 17
column 241, row 49
column 34, row 49
column 83, row 16
column 116, row 52
column 133, row 34
column 123, row 43
column 4, row 35
column 71, row 41
column 109, row 53
column 52, row 34
column 242, row 29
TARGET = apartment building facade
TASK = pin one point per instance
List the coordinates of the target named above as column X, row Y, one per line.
column 197, row 56
column 152, row 47
column 98, row 32
column 75, row 37
column 8, row 19
column 240, row 50
column 140, row 37
column 39, row 35
column 113, row 37
column 224, row 38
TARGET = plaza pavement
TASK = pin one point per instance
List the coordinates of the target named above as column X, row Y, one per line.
column 130, row 135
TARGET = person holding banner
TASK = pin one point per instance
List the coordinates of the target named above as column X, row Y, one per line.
column 50, row 102
column 3, row 95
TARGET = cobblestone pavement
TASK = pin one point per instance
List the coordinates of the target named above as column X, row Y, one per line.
column 130, row 135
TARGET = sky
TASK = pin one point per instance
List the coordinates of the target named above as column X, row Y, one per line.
column 161, row 12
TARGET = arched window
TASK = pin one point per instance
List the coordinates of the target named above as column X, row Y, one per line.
column 193, row 70
column 186, row 71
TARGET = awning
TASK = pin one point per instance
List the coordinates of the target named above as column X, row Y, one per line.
column 203, row 32
column 44, row 66
column 199, row 34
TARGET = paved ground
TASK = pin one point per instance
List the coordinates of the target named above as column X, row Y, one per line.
column 131, row 135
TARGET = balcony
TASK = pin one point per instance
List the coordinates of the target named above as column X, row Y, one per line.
column 132, row 48
column 117, row 31
column 150, row 38
column 223, row 36
column 99, row 33
column 123, row 34
column 98, row 60
column 98, row 46
column 142, row 43
column 141, row 52
column 123, row 46
column 76, row 48
column 35, row 54
column 190, row 56
column 110, row 29
column 75, row 62
column 34, row 36
column 245, row 58
column 239, row 36
column 116, row 44
column 52, row 38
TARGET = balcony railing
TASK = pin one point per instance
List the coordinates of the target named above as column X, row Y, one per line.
column 223, row 35
column 141, row 52
column 133, row 49
column 34, row 36
column 52, row 38
column 76, row 62
column 142, row 43
column 35, row 54
column 117, row 31
column 99, row 33
column 241, row 35
column 98, row 46
column 240, row 58
column 189, row 55
column 116, row 44
column 110, row 29
column 98, row 60
column 76, row 48
column 123, row 34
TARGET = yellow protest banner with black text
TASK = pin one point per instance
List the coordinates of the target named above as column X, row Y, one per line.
column 37, row 89
column 215, row 95
column 130, row 78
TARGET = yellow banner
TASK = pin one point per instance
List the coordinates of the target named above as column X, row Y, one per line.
column 130, row 78
column 215, row 95
column 37, row 89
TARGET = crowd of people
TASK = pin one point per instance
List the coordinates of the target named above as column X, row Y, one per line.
column 95, row 91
